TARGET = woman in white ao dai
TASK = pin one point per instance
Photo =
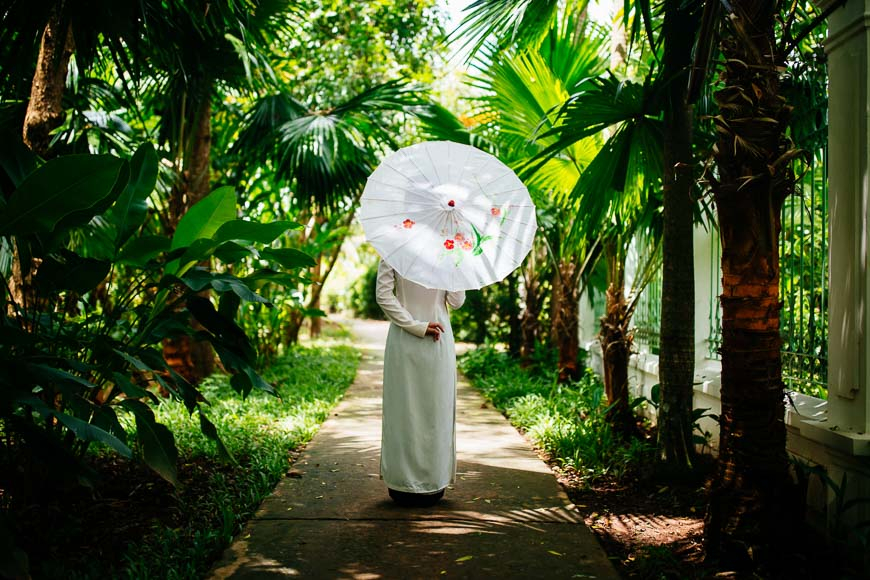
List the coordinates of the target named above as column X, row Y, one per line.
column 418, row 438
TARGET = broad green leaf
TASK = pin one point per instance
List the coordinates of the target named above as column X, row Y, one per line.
column 228, row 338
column 70, row 189
column 288, row 257
column 267, row 275
column 199, row 279
column 68, row 271
column 16, row 160
column 244, row 382
column 54, row 375
column 130, row 210
column 229, row 305
column 209, row 430
column 139, row 251
column 128, row 387
column 82, row 429
column 205, row 218
column 248, row 231
column 198, row 251
column 231, row 252
column 158, row 444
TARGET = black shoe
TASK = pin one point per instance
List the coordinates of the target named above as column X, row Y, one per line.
column 407, row 499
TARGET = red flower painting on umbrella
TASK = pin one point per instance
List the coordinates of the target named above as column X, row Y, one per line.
column 448, row 216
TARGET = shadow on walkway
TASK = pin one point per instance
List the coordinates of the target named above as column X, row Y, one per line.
column 505, row 516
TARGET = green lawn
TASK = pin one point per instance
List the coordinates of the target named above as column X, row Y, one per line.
column 137, row 526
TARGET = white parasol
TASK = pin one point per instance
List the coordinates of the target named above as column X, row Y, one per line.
column 448, row 216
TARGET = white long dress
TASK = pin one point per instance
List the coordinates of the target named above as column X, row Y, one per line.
column 418, row 436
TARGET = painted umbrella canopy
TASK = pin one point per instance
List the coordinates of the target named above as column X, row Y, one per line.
column 448, row 216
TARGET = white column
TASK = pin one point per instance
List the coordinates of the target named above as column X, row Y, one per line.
column 848, row 46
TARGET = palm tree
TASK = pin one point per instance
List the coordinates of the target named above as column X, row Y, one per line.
column 324, row 154
column 677, row 331
column 524, row 92
column 749, row 499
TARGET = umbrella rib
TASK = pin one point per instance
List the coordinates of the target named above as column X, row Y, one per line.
column 397, row 172
column 469, row 150
column 384, row 199
column 397, row 248
column 397, row 214
column 414, row 192
column 434, row 167
column 414, row 161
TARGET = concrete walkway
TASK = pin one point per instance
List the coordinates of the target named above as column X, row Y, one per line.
column 505, row 517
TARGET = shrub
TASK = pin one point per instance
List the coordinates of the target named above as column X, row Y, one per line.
column 568, row 421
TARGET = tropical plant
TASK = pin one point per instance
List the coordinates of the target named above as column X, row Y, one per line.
column 749, row 498
column 71, row 363
column 323, row 155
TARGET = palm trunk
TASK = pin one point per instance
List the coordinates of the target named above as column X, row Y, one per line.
column 565, row 324
column 616, row 341
column 515, row 335
column 677, row 355
column 192, row 359
column 45, row 109
column 748, row 512
column 530, row 320
column 316, row 325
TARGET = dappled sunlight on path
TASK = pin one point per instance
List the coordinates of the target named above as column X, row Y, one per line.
column 505, row 516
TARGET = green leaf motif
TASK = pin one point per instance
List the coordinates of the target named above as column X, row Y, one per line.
column 69, row 190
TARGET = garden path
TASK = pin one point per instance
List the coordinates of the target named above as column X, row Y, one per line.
column 505, row 516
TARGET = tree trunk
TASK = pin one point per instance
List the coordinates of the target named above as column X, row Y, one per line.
column 192, row 359
column 565, row 328
column 315, row 298
column 748, row 515
column 297, row 318
column 529, row 321
column 45, row 108
column 515, row 335
column 616, row 340
column 677, row 332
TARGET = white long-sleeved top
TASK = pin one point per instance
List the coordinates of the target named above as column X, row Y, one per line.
column 418, row 438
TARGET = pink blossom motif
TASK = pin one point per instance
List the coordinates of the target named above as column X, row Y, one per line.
column 467, row 245
column 408, row 224
column 448, row 244
column 459, row 236
column 495, row 211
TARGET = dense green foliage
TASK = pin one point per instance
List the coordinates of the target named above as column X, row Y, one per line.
column 218, row 497
column 568, row 421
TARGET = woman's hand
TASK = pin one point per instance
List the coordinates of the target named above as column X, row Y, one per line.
column 434, row 330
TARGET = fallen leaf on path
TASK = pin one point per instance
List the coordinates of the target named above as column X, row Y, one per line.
column 555, row 553
column 464, row 558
